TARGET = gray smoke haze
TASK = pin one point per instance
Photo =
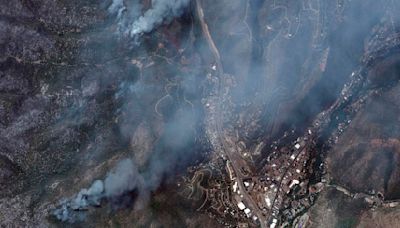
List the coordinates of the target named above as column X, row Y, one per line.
column 123, row 178
column 117, row 7
column 179, row 119
column 82, row 201
column 128, row 14
column 162, row 10
column 270, row 69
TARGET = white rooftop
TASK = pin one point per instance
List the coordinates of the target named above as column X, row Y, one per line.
column 241, row 206
column 247, row 211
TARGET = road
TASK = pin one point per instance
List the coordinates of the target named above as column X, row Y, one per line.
column 228, row 150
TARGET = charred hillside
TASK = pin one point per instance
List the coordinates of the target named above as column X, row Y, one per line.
column 195, row 113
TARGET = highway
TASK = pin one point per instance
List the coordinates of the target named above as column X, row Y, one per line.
column 229, row 150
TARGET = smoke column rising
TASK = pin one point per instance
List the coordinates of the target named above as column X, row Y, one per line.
column 126, row 12
column 123, row 178
column 162, row 10
column 130, row 21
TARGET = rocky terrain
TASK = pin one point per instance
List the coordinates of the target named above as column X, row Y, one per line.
column 231, row 113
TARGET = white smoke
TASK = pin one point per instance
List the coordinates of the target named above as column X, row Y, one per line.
column 129, row 19
column 88, row 197
column 126, row 12
column 84, row 199
column 123, row 178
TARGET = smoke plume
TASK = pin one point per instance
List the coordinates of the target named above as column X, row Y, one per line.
column 178, row 129
column 126, row 12
column 130, row 22
column 123, row 178
column 287, row 91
